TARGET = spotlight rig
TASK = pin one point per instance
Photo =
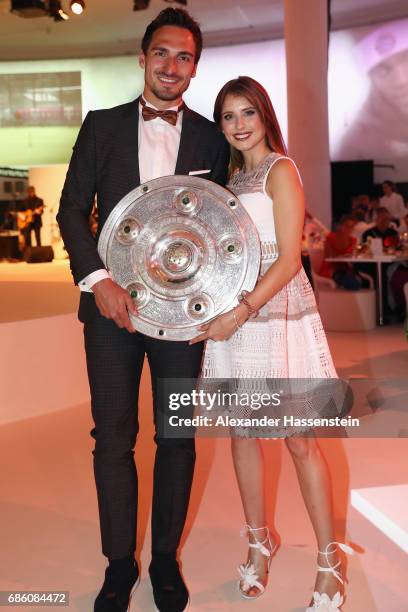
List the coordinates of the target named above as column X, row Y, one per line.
column 45, row 8
column 141, row 5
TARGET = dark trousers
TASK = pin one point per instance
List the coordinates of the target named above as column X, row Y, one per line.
column 26, row 232
column 115, row 360
column 37, row 234
column 27, row 235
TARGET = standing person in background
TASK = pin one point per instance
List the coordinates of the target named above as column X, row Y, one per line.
column 118, row 149
column 393, row 201
column 36, row 205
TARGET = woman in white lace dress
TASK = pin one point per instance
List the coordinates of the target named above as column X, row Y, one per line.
column 276, row 332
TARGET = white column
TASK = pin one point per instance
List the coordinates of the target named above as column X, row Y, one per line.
column 308, row 124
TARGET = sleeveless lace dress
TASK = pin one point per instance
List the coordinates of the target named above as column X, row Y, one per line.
column 286, row 340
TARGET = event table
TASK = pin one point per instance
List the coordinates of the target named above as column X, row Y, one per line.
column 378, row 260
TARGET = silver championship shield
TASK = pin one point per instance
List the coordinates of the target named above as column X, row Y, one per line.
column 184, row 248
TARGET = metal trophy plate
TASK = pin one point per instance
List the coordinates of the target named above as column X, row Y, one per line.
column 184, row 248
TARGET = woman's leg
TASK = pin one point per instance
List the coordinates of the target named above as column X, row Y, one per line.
column 248, row 463
column 315, row 485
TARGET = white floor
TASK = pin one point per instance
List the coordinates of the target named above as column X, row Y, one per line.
column 49, row 528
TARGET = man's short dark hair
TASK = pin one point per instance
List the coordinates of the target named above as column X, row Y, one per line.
column 381, row 210
column 174, row 17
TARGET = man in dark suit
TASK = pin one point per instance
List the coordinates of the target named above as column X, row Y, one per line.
column 116, row 150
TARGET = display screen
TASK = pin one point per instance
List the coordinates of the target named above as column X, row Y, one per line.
column 40, row 99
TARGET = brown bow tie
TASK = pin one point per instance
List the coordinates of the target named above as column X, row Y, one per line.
column 149, row 113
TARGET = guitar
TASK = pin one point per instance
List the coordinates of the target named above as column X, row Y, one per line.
column 38, row 211
column 24, row 218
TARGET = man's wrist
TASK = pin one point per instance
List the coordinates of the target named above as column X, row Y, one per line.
column 87, row 283
column 100, row 284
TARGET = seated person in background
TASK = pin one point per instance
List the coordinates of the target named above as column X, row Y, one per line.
column 361, row 225
column 382, row 229
column 314, row 231
column 341, row 242
column 374, row 206
column 403, row 225
column 395, row 274
column 392, row 201
column 364, row 205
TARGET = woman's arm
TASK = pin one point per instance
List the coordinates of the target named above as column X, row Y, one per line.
column 284, row 186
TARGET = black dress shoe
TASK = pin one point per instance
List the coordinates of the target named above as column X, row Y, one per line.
column 117, row 590
column 169, row 591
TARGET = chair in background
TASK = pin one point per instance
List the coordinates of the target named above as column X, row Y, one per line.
column 341, row 309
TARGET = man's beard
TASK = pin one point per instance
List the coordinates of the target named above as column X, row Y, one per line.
column 168, row 96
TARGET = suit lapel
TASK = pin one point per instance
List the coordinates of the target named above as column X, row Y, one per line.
column 129, row 141
column 129, row 145
column 188, row 143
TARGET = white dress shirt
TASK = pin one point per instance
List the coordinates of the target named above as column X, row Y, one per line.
column 159, row 143
column 394, row 204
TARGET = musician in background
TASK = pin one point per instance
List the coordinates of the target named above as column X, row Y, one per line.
column 24, row 218
column 36, row 205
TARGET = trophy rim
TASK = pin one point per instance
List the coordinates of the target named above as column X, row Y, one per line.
column 173, row 331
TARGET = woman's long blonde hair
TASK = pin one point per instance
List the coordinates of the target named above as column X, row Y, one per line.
column 258, row 97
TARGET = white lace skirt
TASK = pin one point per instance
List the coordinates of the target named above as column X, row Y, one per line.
column 285, row 341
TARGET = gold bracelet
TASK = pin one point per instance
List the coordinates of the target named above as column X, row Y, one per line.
column 252, row 313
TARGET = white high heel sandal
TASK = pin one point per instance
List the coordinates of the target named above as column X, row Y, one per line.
column 321, row 601
column 247, row 572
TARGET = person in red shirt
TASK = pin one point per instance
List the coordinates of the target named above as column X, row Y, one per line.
column 341, row 242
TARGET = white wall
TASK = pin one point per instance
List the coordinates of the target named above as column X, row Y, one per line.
column 263, row 61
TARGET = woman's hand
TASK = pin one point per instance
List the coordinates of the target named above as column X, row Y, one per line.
column 222, row 327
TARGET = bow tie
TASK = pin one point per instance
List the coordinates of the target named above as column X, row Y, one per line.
column 149, row 113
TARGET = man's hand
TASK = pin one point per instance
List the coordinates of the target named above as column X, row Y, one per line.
column 114, row 303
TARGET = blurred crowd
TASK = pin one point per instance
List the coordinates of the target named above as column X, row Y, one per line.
column 374, row 226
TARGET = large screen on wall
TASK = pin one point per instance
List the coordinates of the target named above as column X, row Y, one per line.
column 40, row 99
column 368, row 102
column 40, row 114
column 368, row 90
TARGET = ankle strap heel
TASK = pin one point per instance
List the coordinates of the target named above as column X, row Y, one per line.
column 247, row 572
column 322, row 601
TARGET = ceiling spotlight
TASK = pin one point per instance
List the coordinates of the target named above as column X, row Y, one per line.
column 140, row 5
column 62, row 14
column 56, row 11
column 77, row 6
